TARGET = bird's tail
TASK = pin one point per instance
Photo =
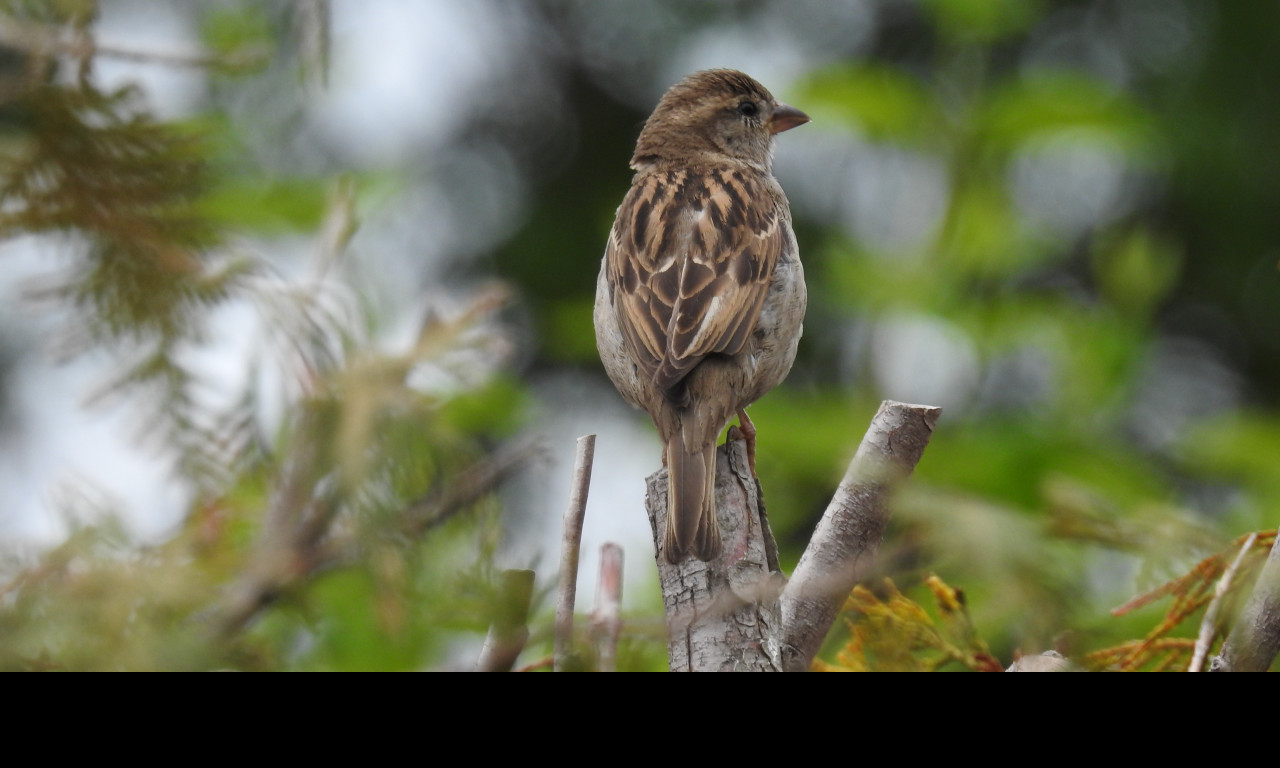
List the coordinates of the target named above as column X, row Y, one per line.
column 692, row 527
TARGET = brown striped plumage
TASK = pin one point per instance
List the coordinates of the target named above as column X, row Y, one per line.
column 701, row 294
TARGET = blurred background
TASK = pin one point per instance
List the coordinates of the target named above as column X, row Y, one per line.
column 321, row 264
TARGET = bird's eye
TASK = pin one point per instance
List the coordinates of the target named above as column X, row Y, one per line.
column 748, row 109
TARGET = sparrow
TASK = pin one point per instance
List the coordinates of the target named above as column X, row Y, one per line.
column 701, row 298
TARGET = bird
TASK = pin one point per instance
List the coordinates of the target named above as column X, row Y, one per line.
column 700, row 299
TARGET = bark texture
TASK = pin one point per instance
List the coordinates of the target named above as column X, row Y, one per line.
column 722, row 616
column 738, row 612
column 1253, row 644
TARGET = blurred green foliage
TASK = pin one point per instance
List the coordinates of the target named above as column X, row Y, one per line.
column 1087, row 277
column 304, row 546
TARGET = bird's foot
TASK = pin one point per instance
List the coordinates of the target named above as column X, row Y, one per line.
column 748, row 432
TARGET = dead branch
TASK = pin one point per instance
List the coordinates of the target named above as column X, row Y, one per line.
column 733, row 613
column 606, row 622
column 1253, row 644
column 849, row 534
column 572, row 533
column 722, row 615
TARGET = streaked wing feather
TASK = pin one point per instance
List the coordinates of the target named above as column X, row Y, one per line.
column 689, row 261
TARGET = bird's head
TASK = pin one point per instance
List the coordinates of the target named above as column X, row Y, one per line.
column 716, row 112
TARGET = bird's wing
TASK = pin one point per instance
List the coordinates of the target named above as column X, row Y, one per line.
column 689, row 260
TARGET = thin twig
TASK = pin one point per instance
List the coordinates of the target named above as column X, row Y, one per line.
column 606, row 622
column 1209, row 624
column 246, row 57
column 572, row 542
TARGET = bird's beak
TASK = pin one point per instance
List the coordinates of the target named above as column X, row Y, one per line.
column 785, row 117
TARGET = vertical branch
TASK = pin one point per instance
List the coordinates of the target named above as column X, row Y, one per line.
column 606, row 623
column 722, row 615
column 572, row 542
column 851, row 529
